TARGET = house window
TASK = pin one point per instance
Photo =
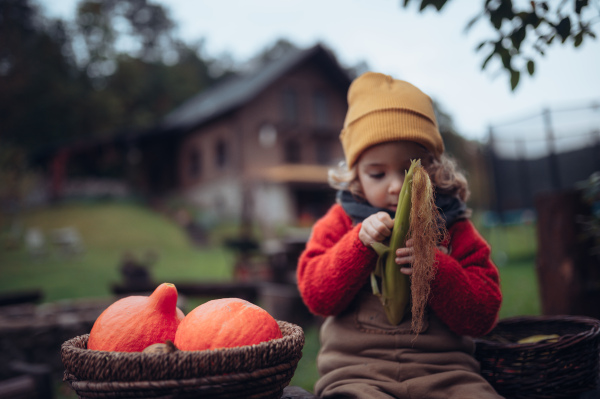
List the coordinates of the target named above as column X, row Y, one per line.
column 323, row 151
column 267, row 135
column 320, row 109
column 292, row 151
column 290, row 106
column 221, row 154
column 195, row 163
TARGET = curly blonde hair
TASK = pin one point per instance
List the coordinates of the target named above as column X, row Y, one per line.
column 444, row 173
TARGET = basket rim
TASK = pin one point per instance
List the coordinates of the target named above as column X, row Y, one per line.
column 279, row 371
column 85, row 364
column 565, row 339
column 568, row 365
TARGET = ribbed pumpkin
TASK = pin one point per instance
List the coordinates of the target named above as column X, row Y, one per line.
column 225, row 323
column 135, row 322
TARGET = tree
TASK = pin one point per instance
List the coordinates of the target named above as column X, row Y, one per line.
column 39, row 85
column 107, row 28
column 525, row 32
column 64, row 81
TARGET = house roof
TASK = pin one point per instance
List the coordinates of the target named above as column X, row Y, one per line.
column 240, row 89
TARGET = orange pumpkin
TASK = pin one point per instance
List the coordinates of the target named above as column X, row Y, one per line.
column 135, row 322
column 225, row 323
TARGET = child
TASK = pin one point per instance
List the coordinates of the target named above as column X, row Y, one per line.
column 389, row 122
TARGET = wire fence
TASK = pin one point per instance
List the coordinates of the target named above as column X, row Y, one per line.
column 547, row 151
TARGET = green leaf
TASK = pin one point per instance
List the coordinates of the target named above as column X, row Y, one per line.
column 563, row 29
column 380, row 248
column 505, row 9
column 530, row 67
column 517, row 37
column 506, row 57
column 489, row 57
column 578, row 39
column 472, row 22
column 375, row 285
column 439, row 4
column 496, row 19
column 514, row 79
column 579, row 5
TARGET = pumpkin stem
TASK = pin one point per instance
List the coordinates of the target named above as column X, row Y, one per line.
column 165, row 297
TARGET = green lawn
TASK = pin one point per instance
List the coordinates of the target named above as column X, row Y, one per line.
column 110, row 229
column 513, row 251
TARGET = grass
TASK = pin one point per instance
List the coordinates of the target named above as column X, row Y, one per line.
column 111, row 229
column 513, row 251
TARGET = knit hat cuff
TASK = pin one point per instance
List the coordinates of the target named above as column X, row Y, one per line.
column 384, row 126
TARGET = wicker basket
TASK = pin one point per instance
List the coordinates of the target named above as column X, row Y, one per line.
column 560, row 369
column 256, row 371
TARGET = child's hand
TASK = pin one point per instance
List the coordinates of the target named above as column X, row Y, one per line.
column 376, row 228
column 405, row 256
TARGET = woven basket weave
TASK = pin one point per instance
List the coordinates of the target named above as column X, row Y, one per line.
column 560, row 369
column 256, row 371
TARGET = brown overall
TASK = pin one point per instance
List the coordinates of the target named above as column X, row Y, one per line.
column 363, row 356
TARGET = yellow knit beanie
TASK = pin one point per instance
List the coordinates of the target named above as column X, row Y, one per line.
column 383, row 109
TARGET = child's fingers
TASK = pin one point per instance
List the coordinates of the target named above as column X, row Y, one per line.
column 406, row 251
column 378, row 234
column 374, row 230
column 386, row 219
column 405, row 260
column 380, row 227
column 405, row 255
column 406, row 270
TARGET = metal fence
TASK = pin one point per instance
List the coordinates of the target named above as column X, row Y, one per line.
column 548, row 151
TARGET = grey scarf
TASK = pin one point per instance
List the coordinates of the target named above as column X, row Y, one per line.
column 451, row 208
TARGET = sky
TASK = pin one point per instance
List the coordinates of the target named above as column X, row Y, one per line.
column 429, row 49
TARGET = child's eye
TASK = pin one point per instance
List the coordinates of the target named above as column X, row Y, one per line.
column 377, row 175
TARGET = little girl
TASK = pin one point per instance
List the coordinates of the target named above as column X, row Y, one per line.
column 389, row 123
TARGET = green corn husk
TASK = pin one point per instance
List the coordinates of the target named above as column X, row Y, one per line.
column 395, row 286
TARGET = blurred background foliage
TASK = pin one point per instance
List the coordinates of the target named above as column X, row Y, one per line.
column 118, row 66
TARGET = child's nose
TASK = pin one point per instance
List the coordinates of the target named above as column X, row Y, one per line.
column 395, row 186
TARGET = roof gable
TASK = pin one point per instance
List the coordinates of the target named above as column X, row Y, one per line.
column 238, row 90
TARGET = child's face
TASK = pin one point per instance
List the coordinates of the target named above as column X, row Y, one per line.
column 381, row 171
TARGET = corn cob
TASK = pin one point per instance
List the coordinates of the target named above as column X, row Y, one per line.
column 395, row 286
column 415, row 212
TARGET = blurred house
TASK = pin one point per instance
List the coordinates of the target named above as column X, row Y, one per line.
column 256, row 146
column 260, row 144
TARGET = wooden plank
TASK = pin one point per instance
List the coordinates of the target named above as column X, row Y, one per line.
column 21, row 387
column 18, row 297
column 40, row 374
column 567, row 272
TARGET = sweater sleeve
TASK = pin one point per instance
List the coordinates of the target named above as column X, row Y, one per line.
column 465, row 292
column 334, row 265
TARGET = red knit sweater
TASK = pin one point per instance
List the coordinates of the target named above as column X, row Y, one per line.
column 465, row 293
